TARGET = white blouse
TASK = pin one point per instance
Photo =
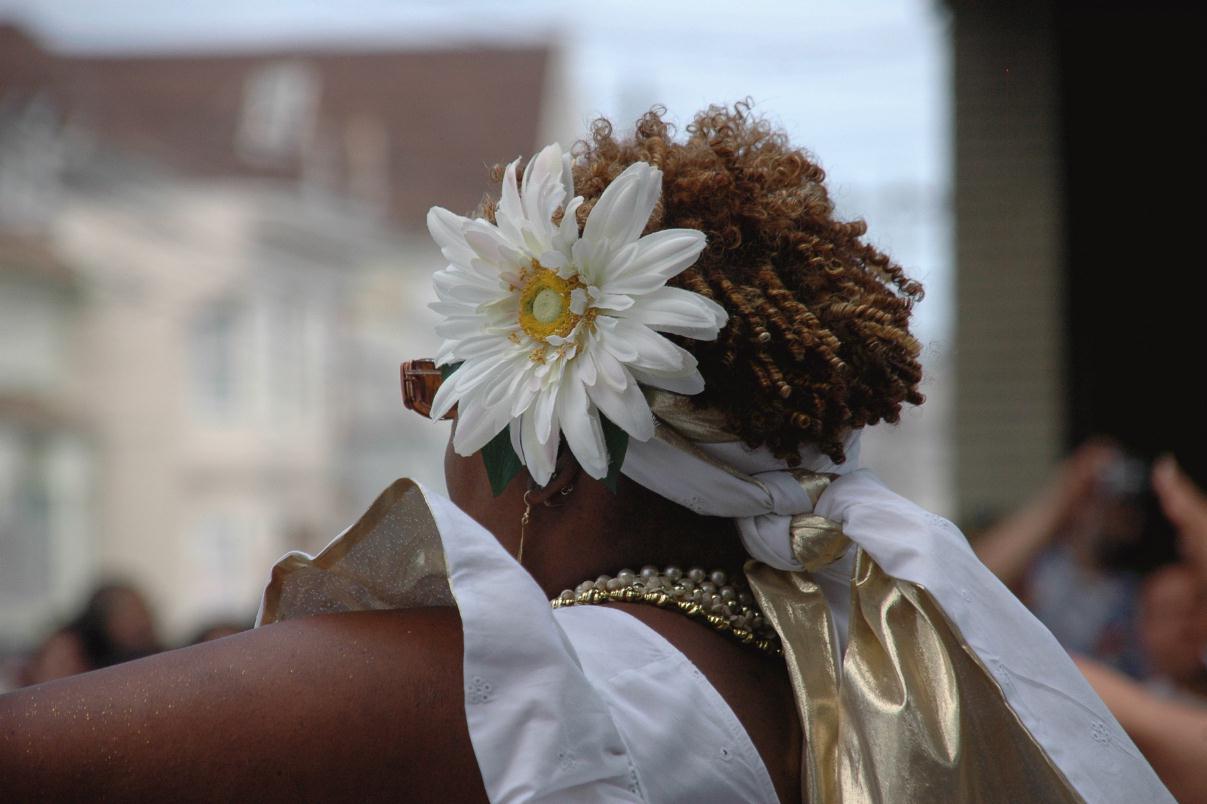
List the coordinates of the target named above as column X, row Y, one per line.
column 581, row 704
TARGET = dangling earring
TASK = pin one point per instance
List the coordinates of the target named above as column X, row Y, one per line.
column 524, row 520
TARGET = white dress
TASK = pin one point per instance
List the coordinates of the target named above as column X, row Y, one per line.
column 581, row 704
column 589, row 704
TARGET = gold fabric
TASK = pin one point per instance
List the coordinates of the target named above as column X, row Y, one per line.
column 391, row 558
column 795, row 606
column 814, row 483
column 921, row 719
column 702, row 425
column 908, row 713
column 816, row 541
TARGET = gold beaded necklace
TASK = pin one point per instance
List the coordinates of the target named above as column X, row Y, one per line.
column 711, row 597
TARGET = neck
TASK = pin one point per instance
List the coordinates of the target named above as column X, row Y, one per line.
column 593, row 532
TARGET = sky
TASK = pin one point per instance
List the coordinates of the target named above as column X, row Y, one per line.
column 862, row 84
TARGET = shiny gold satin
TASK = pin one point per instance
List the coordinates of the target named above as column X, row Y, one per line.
column 816, row 541
column 922, row 720
column 391, row 558
column 795, row 606
column 702, row 425
column 814, row 483
column 912, row 715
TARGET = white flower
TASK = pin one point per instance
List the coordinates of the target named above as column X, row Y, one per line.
column 553, row 329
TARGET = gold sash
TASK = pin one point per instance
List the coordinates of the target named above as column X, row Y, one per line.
column 908, row 713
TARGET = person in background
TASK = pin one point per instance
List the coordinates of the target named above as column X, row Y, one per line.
column 1165, row 717
column 115, row 625
column 60, row 655
column 1185, row 505
column 1070, row 553
column 218, row 629
column 1173, row 628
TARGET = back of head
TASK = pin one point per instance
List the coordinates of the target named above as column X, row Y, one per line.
column 818, row 339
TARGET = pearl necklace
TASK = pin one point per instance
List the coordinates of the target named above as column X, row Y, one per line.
column 711, row 597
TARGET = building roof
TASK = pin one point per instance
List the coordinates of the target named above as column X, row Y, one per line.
column 412, row 127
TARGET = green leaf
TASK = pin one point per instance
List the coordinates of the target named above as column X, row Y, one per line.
column 447, row 370
column 502, row 464
column 617, row 441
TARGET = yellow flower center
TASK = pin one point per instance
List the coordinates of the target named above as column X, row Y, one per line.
column 545, row 303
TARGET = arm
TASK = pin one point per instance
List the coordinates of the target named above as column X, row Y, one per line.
column 1172, row 736
column 1009, row 547
column 1186, row 507
column 362, row 705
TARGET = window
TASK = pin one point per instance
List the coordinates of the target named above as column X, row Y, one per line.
column 215, row 338
column 279, row 105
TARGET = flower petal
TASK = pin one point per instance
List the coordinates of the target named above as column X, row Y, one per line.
column 687, row 384
column 459, row 327
column 544, row 412
column 543, row 191
column 493, row 247
column 568, row 175
column 679, row 312
column 578, row 301
column 624, row 207
column 613, row 302
column 446, row 229
column 567, row 230
column 524, row 390
column 477, row 424
column 473, row 372
column 591, row 257
column 625, row 407
column 448, row 282
column 510, row 215
column 609, row 369
column 652, row 352
column 539, row 458
column 580, row 423
column 653, row 260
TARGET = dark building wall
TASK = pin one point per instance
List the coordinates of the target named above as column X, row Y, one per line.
column 1009, row 403
column 1132, row 146
column 1079, row 217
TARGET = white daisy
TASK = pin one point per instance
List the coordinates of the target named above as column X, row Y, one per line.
column 553, row 329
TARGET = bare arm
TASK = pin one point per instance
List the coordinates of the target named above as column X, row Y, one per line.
column 346, row 706
column 1186, row 507
column 1009, row 547
column 1172, row 735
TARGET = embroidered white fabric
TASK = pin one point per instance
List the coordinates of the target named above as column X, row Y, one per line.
column 583, row 704
column 1041, row 684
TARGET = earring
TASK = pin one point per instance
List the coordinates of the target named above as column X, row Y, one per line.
column 566, row 491
column 524, row 520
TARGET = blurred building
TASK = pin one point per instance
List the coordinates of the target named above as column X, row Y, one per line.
column 1078, row 165
column 210, row 268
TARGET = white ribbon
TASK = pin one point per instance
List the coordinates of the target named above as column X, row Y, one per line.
column 1039, row 681
column 751, row 486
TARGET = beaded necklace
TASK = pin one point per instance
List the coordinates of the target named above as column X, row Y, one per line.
column 711, row 597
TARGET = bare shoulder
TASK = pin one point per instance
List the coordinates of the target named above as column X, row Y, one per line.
column 342, row 706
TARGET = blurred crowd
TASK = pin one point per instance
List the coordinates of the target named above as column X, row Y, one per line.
column 114, row 625
column 1111, row 555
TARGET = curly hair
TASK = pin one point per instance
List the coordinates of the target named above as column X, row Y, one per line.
column 818, row 337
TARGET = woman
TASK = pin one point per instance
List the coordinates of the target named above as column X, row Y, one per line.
column 709, row 341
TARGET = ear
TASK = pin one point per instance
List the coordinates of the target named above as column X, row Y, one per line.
column 565, row 475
